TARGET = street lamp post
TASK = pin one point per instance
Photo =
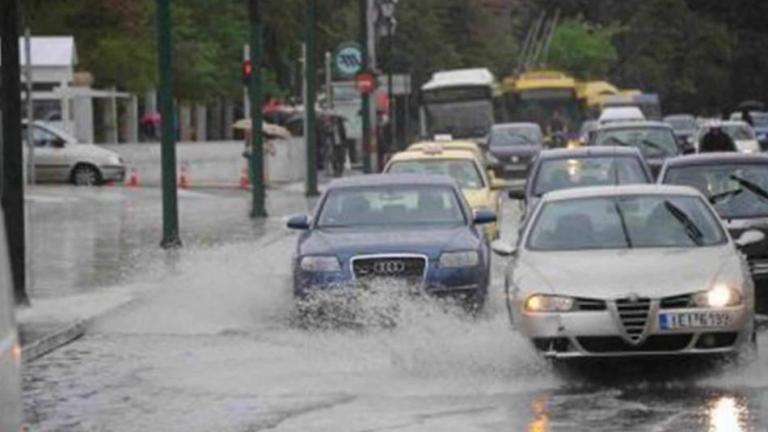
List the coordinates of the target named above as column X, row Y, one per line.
column 255, row 92
column 171, row 237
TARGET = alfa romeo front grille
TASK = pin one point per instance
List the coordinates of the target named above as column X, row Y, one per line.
column 676, row 302
column 410, row 269
column 589, row 305
column 633, row 314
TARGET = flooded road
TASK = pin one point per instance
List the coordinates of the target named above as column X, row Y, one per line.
column 211, row 344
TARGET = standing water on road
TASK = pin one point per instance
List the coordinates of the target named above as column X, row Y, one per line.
column 210, row 345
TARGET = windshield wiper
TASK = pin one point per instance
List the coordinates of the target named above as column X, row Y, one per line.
column 693, row 232
column 716, row 198
column 748, row 185
column 623, row 224
column 619, row 142
column 654, row 146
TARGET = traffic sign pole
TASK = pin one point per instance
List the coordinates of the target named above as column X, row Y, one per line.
column 310, row 76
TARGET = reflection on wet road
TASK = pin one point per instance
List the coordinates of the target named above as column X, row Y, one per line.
column 211, row 346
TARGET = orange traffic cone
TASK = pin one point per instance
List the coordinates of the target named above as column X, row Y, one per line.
column 245, row 181
column 183, row 177
column 133, row 178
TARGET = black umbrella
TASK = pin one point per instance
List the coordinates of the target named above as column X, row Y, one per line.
column 751, row 105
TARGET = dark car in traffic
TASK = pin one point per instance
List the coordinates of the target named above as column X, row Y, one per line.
column 581, row 167
column 655, row 140
column 684, row 126
column 411, row 232
column 514, row 147
column 737, row 186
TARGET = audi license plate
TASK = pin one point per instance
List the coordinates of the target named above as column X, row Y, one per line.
column 516, row 167
column 671, row 321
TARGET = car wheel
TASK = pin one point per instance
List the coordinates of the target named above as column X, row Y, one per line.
column 86, row 175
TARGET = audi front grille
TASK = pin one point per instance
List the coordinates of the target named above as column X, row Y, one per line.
column 633, row 314
column 410, row 269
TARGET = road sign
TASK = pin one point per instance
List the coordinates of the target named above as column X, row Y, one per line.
column 365, row 82
column 348, row 59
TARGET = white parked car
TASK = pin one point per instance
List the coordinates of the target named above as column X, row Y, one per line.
column 741, row 133
column 629, row 271
column 60, row 158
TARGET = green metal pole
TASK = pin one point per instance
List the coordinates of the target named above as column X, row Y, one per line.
column 365, row 110
column 310, row 77
column 258, row 209
column 168, row 147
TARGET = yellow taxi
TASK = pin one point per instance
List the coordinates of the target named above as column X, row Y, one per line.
column 480, row 190
column 450, row 144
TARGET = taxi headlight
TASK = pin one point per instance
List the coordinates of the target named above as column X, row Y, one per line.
column 548, row 303
column 320, row 264
column 719, row 296
column 459, row 259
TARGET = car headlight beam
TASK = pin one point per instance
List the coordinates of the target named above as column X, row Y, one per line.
column 719, row 296
column 320, row 263
column 548, row 303
column 459, row 259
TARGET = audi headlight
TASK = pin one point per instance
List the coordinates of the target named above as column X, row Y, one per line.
column 320, row 264
column 719, row 296
column 548, row 303
column 459, row 259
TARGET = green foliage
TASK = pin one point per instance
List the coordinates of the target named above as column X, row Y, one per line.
column 584, row 50
column 683, row 56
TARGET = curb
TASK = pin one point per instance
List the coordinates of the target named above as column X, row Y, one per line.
column 52, row 341
column 65, row 335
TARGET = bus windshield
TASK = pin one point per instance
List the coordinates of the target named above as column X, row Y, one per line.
column 464, row 119
column 539, row 106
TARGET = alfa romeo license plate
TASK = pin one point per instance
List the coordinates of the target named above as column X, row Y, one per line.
column 671, row 321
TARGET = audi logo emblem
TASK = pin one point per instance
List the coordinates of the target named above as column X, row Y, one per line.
column 388, row 267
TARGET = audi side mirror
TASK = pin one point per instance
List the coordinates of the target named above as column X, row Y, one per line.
column 298, row 222
column 484, row 216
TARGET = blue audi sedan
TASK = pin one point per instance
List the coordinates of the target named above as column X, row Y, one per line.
column 381, row 231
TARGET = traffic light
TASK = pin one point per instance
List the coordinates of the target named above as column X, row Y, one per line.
column 247, row 72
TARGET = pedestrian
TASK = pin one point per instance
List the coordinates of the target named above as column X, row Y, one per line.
column 715, row 140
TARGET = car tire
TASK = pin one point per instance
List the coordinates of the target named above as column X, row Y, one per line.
column 86, row 175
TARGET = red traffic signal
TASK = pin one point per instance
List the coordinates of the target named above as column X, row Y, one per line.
column 365, row 82
column 247, row 72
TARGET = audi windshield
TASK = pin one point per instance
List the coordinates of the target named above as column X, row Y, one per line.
column 387, row 206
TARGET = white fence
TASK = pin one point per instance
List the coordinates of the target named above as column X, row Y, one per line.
column 218, row 163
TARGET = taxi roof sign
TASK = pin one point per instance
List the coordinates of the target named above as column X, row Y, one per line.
column 433, row 148
column 443, row 137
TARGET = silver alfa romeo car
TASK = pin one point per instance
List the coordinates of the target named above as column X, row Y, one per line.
column 630, row 271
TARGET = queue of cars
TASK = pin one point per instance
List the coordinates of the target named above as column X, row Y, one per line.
column 607, row 262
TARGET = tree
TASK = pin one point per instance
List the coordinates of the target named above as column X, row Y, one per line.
column 683, row 56
column 583, row 50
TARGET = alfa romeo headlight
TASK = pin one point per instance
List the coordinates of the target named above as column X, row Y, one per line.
column 548, row 303
column 320, row 264
column 459, row 259
column 719, row 296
